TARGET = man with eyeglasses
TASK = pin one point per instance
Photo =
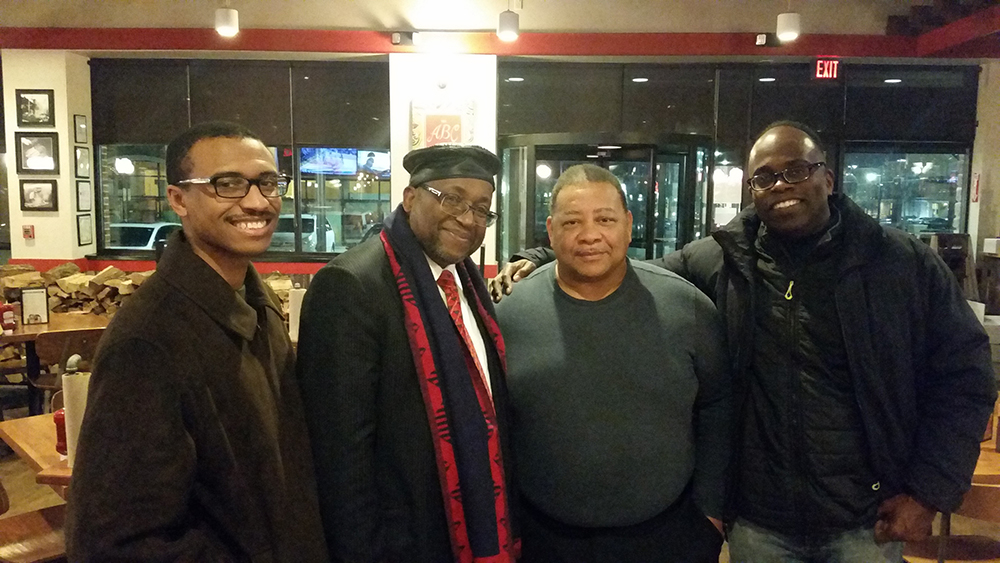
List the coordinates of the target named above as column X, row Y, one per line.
column 863, row 378
column 402, row 372
column 194, row 446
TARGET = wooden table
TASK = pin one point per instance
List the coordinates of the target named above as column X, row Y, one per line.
column 26, row 334
column 34, row 440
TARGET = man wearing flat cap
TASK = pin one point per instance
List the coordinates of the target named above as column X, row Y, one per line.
column 401, row 367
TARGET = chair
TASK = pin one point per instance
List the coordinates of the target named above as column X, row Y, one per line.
column 32, row 537
column 982, row 502
column 54, row 347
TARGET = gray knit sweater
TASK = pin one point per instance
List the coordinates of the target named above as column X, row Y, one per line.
column 619, row 404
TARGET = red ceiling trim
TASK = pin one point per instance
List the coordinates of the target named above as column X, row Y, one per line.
column 355, row 41
column 950, row 38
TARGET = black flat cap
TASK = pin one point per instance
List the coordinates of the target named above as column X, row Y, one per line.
column 451, row 161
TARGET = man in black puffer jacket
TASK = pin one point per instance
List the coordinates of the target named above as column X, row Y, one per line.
column 863, row 378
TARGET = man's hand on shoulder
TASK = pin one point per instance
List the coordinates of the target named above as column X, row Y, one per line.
column 511, row 273
column 903, row 518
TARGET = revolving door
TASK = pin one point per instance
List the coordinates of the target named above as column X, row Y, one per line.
column 665, row 179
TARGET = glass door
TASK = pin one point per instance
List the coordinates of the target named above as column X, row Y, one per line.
column 668, row 197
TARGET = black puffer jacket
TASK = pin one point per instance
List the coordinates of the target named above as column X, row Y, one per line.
column 918, row 357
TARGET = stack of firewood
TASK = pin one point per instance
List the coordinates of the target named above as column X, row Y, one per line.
column 102, row 293
column 71, row 290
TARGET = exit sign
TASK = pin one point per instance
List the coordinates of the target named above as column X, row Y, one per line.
column 827, row 69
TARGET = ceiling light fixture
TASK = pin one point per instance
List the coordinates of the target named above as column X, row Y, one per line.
column 640, row 79
column 788, row 26
column 609, row 147
column 515, row 79
column 509, row 27
column 892, row 80
column 227, row 21
column 766, row 79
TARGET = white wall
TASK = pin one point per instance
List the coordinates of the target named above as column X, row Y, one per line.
column 68, row 76
column 442, row 77
column 984, row 217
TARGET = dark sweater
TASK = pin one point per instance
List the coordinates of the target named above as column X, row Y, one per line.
column 620, row 403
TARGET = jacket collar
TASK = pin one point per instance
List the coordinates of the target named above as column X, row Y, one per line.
column 195, row 279
column 738, row 237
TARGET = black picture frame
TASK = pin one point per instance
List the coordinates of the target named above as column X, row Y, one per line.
column 37, row 153
column 82, row 162
column 34, row 306
column 84, row 196
column 84, row 230
column 35, row 108
column 80, row 129
column 39, row 195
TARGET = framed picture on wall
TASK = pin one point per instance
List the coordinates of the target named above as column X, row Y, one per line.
column 82, row 162
column 84, row 230
column 35, row 108
column 34, row 306
column 83, row 196
column 39, row 195
column 80, row 128
column 37, row 153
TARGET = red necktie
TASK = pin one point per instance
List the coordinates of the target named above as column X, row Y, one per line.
column 447, row 282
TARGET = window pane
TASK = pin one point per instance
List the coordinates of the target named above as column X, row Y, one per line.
column 345, row 196
column 138, row 101
column 789, row 92
column 253, row 94
column 558, row 97
column 915, row 104
column 343, row 101
column 916, row 192
column 669, row 99
column 133, row 192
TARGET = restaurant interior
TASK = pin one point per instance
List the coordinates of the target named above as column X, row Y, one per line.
column 667, row 95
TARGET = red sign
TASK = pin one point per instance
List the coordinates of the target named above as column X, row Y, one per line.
column 443, row 129
column 827, row 69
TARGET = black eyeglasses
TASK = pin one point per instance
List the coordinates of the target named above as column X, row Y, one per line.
column 455, row 206
column 793, row 175
column 231, row 186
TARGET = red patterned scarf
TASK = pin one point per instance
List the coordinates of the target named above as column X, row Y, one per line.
column 461, row 415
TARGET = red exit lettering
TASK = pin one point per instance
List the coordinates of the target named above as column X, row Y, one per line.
column 827, row 69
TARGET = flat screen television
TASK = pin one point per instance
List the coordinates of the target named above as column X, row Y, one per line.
column 325, row 160
column 374, row 161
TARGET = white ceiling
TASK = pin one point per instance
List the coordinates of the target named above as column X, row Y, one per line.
column 862, row 17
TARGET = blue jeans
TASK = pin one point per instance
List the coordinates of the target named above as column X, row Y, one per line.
column 749, row 543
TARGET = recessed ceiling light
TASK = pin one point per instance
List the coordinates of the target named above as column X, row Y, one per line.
column 766, row 79
column 893, row 80
column 609, row 147
column 515, row 79
column 640, row 79
column 591, row 156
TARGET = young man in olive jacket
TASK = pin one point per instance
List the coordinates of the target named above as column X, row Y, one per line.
column 194, row 447
column 863, row 378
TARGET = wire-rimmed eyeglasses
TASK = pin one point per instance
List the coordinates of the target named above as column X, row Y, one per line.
column 792, row 175
column 232, row 186
column 455, row 206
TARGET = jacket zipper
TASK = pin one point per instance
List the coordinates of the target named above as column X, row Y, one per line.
column 788, row 294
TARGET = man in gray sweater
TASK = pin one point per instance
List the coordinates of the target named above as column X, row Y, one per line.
column 620, row 392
